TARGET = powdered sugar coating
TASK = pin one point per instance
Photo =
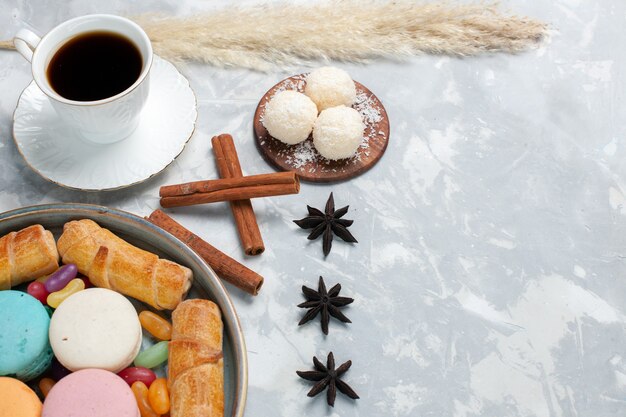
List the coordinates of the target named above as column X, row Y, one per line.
column 289, row 116
column 330, row 87
column 338, row 132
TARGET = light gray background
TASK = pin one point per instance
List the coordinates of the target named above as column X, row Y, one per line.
column 489, row 276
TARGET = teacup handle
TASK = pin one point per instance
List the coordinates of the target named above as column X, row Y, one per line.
column 25, row 42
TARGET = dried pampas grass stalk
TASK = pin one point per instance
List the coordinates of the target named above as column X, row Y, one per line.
column 262, row 37
column 347, row 30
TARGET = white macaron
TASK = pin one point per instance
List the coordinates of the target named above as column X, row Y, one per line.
column 95, row 328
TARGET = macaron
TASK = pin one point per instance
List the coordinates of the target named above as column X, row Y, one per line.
column 17, row 400
column 24, row 348
column 95, row 328
column 92, row 393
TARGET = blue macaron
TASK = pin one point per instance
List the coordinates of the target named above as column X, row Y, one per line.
column 25, row 351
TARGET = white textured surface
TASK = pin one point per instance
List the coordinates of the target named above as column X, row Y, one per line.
column 489, row 276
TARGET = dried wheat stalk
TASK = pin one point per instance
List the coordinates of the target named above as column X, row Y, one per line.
column 261, row 37
column 346, row 30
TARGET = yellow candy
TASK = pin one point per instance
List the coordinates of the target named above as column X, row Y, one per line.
column 56, row 298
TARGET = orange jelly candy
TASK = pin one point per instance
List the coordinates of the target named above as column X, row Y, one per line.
column 45, row 385
column 159, row 397
column 141, row 395
column 156, row 325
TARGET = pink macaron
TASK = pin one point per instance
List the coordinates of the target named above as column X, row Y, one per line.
column 93, row 393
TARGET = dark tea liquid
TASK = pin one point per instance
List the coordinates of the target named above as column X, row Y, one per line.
column 94, row 66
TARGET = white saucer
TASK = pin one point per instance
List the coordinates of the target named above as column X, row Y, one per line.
column 57, row 153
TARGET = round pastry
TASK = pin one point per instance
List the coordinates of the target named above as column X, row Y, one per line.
column 93, row 393
column 330, row 87
column 95, row 328
column 338, row 132
column 289, row 116
column 17, row 400
column 24, row 348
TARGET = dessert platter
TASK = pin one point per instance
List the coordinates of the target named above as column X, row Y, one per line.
column 106, row 314
column 120, row 324
column 111, row 315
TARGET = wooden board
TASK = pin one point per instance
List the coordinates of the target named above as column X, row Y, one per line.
column 304, row 159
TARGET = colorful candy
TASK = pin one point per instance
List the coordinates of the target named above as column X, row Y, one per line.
column 56, row 298
column 141, row 395
column 88, row 283
column 154, row 356
column 58, row 371
column 61, row 277
column 38, row 290
column 159, row 396
column 156, row 325
column 137, row 373
column 45, row 385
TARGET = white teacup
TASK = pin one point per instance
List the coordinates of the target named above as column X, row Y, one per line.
column 102, row 121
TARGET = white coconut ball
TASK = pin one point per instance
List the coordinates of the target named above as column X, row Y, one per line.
column 338, row 132
column 330, row 87
column 289, row 116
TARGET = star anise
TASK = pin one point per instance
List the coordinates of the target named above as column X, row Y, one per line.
column 326, row 302
column 327, row 223
column 328, row 376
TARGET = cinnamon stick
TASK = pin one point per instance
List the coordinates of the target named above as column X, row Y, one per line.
column 226, row 267
column 231, row 194
column 288, row 179
column 229, row 167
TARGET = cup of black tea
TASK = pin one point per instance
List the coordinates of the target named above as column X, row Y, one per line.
column 95, row 71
